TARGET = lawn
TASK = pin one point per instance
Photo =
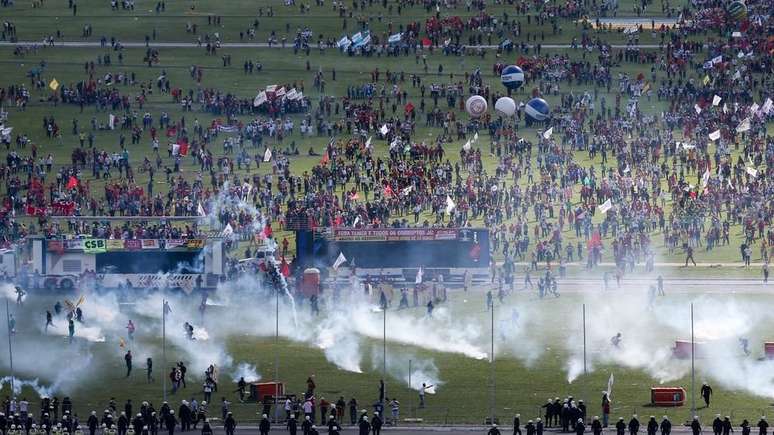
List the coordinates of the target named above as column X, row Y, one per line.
column 531, row 365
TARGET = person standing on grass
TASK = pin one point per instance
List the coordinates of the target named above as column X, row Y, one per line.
column 149, row 369
column 422, row 391
column 706, row 394
column 128, row 360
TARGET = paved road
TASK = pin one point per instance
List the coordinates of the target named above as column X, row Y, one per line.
column 450, row 430
column 96, row 44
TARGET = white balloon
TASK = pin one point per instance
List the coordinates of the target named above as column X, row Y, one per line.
column 476, row 106
column 506, row 106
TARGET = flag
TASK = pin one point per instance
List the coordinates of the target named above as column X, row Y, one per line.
column 394, row 39
column 406, row 190
column 388, row 192
column 384, row 130
column 227, row 231
column 54, row 85
column 767, row 106
column 175, row 149
column 705, row 178
column 292, row 94
column 167, row 309
column 450, row 205
column 121, row 343
column 697, row 108
column 341, row 259
column 200, row 210
column 325, row 158
column 547, row 134
column 344, row 43
column 426, row 42
column 716, row 100
column 610, row 387
column 183, row 148
column 737, row 75
column 284, row 268
column 409, row 107
column 754, row 108
column 752, row 171
column 743, row 126
column 706, row 80
column 605, row 206
column 368, row 143
column 260, row 99
column 72, row 182
column 466, row 147
column 717, row 59
column 112, row 121
column 475, row 137
column 418, row 279
column 267, row 155
column 715, row 135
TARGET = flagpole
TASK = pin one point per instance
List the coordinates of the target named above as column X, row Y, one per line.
column 10, row 346
column 164, row 345
column 276, row 354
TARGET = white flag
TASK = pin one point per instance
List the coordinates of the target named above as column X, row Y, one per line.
column 716, row 100
column 384, row 130
column 717, row 60
column 418, row 279
column 752, row 171
column 227, row 231
column 697, row 108
column 547, row 134
column 407, row 190
column 725, row 108
column 610, row 387
column 259, row 99
column 339, row 261
column 737, row 75
column 175, row 149
column 267, row 155
column 200, row 210
column 368, row 143
column 450, row 205
column 767, row 106
column 466, row 147
column 112, row 121
column 475, row 137
column 743, row 126
column 606, row 206
column 754, row 108
column 715, row 135
column 705, row 178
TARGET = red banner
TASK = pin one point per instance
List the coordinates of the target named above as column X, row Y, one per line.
column 132, row 244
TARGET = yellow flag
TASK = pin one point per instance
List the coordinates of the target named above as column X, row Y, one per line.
column 121, row 343
column 706, row 80
column 54, row 85
column 81, row 300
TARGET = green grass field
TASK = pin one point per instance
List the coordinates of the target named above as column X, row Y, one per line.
column 465, row 396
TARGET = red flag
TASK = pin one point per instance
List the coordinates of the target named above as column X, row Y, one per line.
column 325, row 158
column 171, row 131
column 426, row 42
column 266, row 232
column 409, row 108
column 388, row 191
column 183, row 148
column 285, row 268
column 72, row 183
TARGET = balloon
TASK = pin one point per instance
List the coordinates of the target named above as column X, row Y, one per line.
column 476, row 106
column 537, row 109
column 737, row 10
column 512, row 77
column 506, row 106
